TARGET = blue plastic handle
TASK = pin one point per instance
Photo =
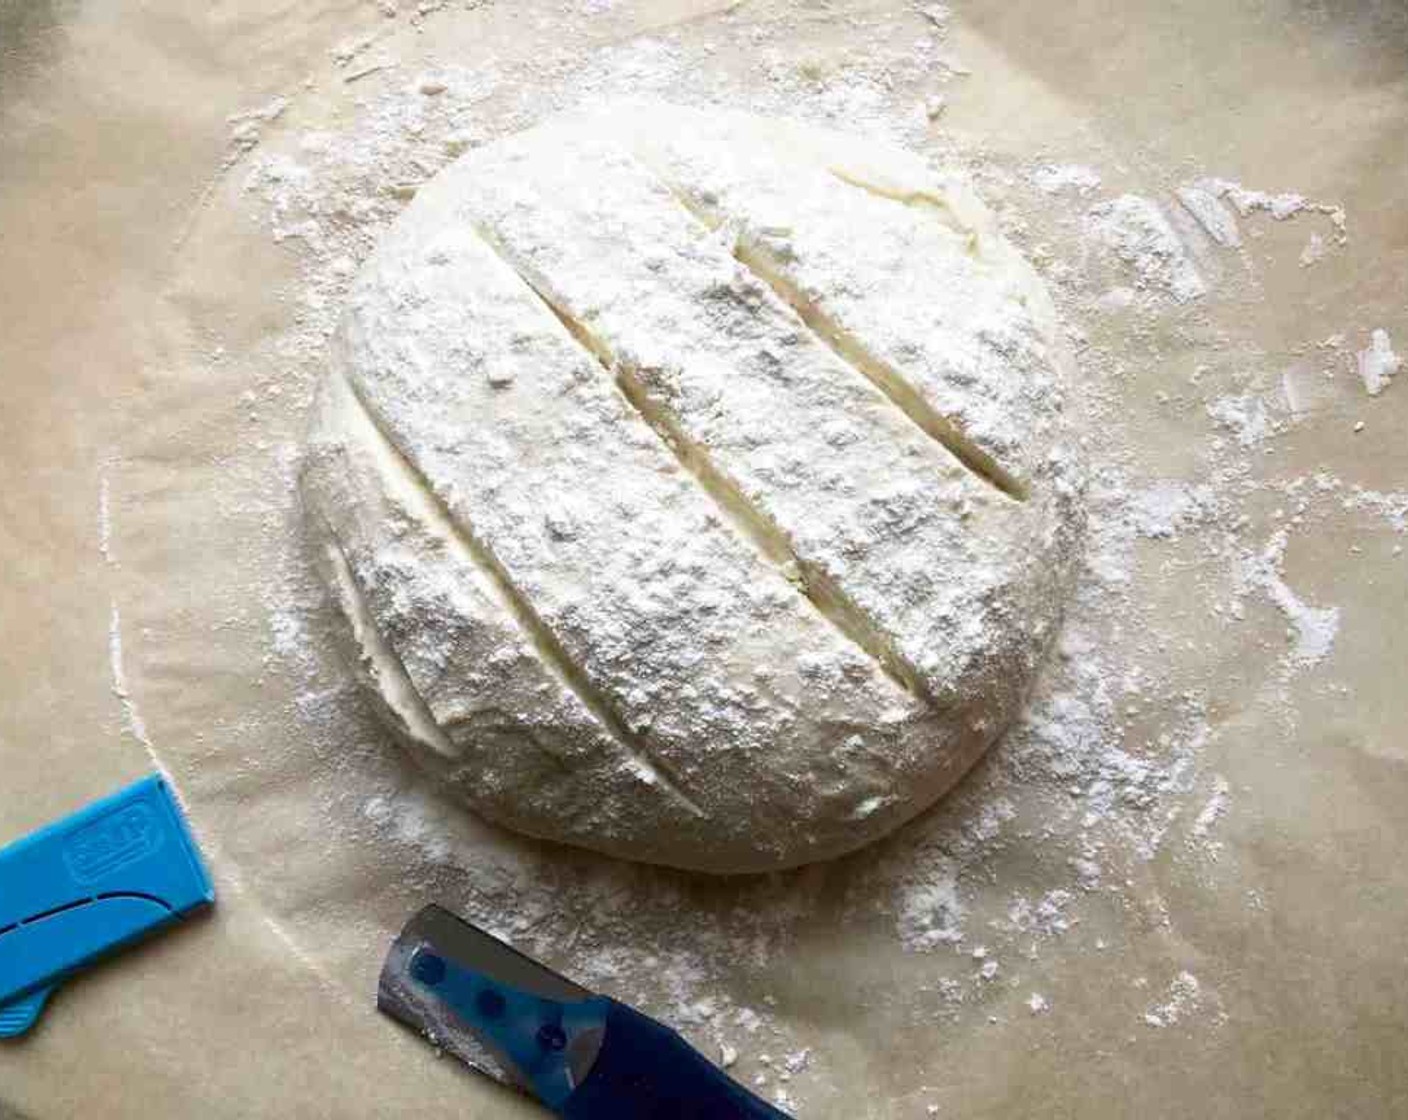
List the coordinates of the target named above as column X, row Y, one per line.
column 588, row 1059
column 646, row 1071
column 80, row 888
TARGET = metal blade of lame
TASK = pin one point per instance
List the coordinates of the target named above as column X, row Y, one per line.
column 439, row 931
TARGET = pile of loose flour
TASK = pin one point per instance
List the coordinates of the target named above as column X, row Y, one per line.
column 1044, row 856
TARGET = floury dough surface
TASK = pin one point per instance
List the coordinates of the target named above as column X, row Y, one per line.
column 700, row 491
column 1187, row 853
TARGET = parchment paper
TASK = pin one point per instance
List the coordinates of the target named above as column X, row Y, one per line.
column 150, row 550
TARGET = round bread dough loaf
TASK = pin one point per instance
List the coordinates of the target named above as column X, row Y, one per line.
column 697, row 487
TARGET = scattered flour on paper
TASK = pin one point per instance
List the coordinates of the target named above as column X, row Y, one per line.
column 1216, row 204
column 1377, row 363
column 1244, row 415
column 929, row 911
column 132, row 722
column 131, row 715
column 1053, row 178
column 105, row 519
column 1280, row 206
column 1164, row 509
column 1212, row 812
column 1314, row 251
column 1212, row 214
column 1139, row 232
column 1182, row 996
column 1311, row 630
column 247, row 127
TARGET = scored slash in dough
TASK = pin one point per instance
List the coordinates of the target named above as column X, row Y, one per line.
column 697, row 488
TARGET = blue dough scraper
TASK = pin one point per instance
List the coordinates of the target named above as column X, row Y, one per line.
column 584, row 1056
column 80, row 888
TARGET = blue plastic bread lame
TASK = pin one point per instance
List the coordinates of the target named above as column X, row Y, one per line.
column 78, row 889
column 584, row 1056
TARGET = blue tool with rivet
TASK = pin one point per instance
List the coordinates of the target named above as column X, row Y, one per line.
column 111, row 874
column 584, row 1056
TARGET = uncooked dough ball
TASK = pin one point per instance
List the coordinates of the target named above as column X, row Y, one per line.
column 697, row 487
